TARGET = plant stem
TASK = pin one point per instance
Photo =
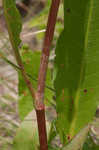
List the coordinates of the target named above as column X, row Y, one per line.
column 24, row 74
column 19, row 69
column 39, row 104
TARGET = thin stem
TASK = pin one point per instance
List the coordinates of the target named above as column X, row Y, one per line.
column 39, row 104
column 18, row 68
column 14, row 45
column 23, row 72
column 46, row 46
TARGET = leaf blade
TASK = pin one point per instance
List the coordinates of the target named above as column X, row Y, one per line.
column 76, row 67
column 14, row 24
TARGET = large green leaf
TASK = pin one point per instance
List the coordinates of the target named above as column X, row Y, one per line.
column 76, row 72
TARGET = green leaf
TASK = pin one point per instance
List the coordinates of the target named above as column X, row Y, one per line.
column 53, row 132
column 13, row 20
column 27, row 135
column 78, row 140
column 31, row 61
column 76, row 74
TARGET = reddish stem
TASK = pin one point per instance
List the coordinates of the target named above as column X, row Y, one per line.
column 42, row 129
column 46, row 45
column 39, row 104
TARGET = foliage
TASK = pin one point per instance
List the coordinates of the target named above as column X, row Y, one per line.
column 76, row 67
column 26, row 138
column 13, row 21
column 76, row 76
column 31, row 140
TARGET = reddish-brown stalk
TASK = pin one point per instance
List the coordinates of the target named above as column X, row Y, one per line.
column 39, row 104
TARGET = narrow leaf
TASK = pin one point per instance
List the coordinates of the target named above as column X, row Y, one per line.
column 13, row 20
